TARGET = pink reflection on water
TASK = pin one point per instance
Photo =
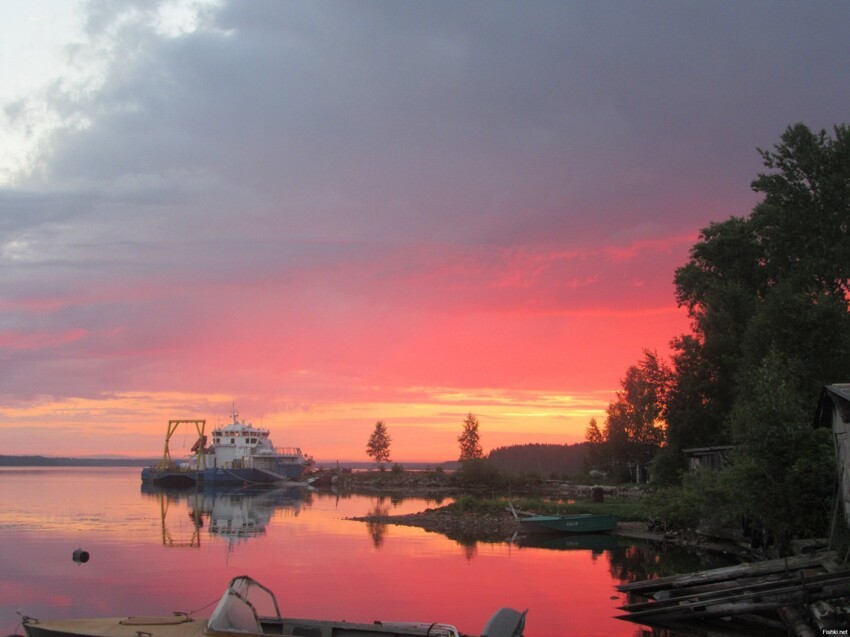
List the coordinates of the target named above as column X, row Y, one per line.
column 299, row 544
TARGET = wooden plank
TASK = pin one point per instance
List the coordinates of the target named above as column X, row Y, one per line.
column 721, row 574
column 745, row 603
column 712, row 628
column 733, row 591
column 795, row 622
column 828, row 581
column 747, row 625
column 830, row 562
column 696, row 589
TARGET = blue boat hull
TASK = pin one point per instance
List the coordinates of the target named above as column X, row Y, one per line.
column 217, row 476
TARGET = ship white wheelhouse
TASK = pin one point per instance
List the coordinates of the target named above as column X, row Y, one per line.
column 240, row 444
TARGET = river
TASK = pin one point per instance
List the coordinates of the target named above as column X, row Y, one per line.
column 154, row 552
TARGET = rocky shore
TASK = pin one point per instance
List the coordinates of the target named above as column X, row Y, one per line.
column 485, row 526
column 479, row 526
column 490, row 527
column 406, row 483
column 470, row 526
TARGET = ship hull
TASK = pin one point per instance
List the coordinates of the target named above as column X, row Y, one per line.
column 217, row 476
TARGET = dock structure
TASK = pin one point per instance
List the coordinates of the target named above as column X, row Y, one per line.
column 762, row 598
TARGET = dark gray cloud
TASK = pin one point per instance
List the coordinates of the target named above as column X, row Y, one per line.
column 455, row 121
column 327, row 155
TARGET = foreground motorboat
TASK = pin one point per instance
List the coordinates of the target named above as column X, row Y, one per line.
column 249, row 608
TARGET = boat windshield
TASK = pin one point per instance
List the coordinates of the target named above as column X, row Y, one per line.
column 242, row 605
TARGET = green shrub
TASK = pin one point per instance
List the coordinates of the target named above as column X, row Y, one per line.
column 478, row 474
column 701, row 498
column 670, row 466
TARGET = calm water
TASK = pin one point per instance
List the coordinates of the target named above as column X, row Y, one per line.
column 154, row 553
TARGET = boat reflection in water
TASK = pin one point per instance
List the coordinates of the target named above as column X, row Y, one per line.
column 233, row 514
column 596, row 544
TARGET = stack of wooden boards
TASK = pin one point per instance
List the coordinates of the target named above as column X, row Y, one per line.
column 742, row 599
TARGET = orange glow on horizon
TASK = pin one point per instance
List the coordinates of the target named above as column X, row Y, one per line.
column 133, row 424
column 533, row 341
column 542, row 379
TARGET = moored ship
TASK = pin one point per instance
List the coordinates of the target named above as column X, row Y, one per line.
column 239, row 454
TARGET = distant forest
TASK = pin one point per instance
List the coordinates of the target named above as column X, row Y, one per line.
column 545, row 460
column 43, row 461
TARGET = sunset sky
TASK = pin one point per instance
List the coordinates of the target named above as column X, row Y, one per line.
column 330, row 213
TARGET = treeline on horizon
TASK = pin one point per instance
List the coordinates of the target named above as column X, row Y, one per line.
column 767, row 296
column 545, row 460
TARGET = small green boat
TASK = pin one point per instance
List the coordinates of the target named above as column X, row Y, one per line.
column 579, row 523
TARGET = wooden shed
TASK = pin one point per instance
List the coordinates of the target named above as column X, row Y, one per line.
column 707, row 458
column 833, row 411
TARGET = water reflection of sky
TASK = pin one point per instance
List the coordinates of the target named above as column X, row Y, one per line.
column 153, row 553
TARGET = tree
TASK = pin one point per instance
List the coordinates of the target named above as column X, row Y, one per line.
column 635, row 422
column 634, row 427
column 720, row 286
column 768, row 296
column 782, row 471
column 597, row 458
column 469, row 440
column 776, row 281
column 378, row 447
column 804, row 218
column 592, row 433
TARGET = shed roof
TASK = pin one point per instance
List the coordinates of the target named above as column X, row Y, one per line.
column 833, row 397
column 702, row 451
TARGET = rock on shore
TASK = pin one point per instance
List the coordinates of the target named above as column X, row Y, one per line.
column 479, row 526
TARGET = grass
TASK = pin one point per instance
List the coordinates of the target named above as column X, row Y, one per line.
column 627, row 509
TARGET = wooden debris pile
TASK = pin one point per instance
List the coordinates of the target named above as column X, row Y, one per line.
column 741, row 599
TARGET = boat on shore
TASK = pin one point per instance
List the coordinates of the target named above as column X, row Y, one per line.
column 238, row 455
column 581, row 523
column 249, row 608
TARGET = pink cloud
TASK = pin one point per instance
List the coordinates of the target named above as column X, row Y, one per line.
column 664, row 244
column 18, row 340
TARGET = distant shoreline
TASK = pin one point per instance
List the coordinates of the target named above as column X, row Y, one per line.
column 48, row 461
column 51, row 461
